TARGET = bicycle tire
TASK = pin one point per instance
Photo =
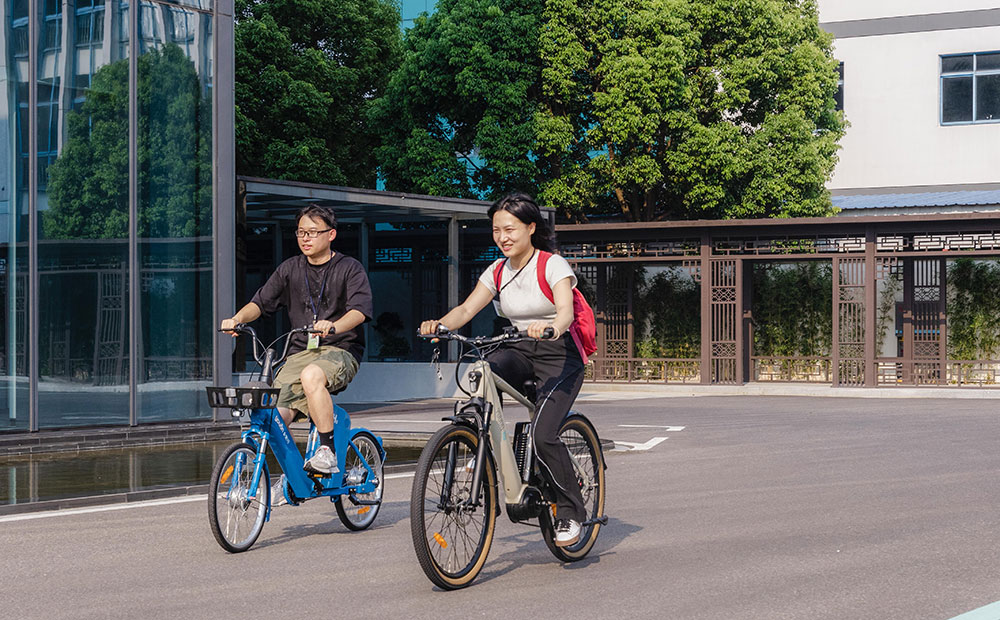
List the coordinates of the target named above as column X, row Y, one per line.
column 357, row 517
column 236, row 520
column 585, row 450
column 451, row 544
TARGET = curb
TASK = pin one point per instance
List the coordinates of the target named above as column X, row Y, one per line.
column 129, row 497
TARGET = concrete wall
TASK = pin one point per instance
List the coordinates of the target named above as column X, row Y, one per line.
column 847, row 10
column 379, row 382
column 892, row 91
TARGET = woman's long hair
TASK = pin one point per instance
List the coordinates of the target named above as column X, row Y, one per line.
column 523, row 207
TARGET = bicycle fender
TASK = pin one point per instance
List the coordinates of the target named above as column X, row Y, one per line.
column 472, row 425
column 360, row 429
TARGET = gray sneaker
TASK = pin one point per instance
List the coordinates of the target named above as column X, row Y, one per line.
column 324, row 461
column 278, row 493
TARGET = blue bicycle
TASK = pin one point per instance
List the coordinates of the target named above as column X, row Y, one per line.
column 239, row 500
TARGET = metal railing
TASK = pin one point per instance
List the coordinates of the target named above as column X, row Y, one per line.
column 643, row 370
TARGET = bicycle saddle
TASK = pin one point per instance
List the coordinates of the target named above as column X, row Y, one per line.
column 530, row 390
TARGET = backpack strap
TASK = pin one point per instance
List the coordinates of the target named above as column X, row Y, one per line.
column 543, row 260
column 498, row 274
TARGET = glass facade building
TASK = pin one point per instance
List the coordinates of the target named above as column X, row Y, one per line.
column 108, row 200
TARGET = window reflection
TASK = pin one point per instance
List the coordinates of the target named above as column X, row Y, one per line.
column 83, row 206
column 175, row 209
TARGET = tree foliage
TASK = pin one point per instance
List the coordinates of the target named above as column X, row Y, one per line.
column 306, row 73
column 973, row 299
column 667, row 320
column 648, row 108
column 88, row 183
column 793, row 309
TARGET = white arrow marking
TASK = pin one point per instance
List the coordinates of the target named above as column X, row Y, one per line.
column 632, row 446
column 666, row 428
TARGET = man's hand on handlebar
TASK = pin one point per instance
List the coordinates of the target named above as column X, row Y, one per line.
column 231, row 327
column 324, row 327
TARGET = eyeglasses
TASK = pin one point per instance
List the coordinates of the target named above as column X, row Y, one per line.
column 312, row 234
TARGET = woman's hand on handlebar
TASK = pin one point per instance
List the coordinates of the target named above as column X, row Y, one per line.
column 541, row 330
column 430, row 328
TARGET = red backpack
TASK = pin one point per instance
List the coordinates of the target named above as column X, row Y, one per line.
column 583, row 329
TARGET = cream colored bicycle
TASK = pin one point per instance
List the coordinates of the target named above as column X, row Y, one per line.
column 455, row 498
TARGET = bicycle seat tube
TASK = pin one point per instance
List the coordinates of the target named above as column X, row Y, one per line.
column 502, row 447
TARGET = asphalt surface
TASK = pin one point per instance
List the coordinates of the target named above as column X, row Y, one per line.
column 752, row 508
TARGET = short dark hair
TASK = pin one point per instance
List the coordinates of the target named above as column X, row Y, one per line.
column 317, row 212
column 524, row 208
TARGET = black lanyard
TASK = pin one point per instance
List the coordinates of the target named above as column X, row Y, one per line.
column 322, row 287
column 523, row 267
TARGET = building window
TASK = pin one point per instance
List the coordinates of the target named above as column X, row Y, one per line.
column 838, row 97
column 970, row 88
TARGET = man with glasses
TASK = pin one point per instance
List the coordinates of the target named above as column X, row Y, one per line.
column 330, row 292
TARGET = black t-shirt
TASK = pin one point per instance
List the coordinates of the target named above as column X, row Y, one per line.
column 329, row 290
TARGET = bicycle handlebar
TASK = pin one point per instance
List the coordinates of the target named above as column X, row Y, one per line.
column 261, row 357
column 443, row 333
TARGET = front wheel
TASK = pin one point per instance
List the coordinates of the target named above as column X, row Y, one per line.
column 237, row 518
column 451, row 523
column 362, row 464
column 585, row 452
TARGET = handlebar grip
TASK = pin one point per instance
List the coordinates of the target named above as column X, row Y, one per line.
column 548, row 332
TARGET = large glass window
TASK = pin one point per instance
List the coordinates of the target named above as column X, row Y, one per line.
column 83, row 220
column 175, row 212
column 410, row 10
column 970, row 88
column 14, row 413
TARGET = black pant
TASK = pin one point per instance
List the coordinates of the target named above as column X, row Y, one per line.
column 557, row 369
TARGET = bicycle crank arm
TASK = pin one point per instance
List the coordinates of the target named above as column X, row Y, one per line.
column 603, row 520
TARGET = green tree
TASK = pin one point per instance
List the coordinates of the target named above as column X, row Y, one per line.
column 88, row 183
column 306, row 73
column 793, row 309
column 648, row 108
column 458, row 114
column 667, row 320
column 973, row 299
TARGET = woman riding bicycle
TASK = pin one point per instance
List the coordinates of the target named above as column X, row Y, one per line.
column 554, row 365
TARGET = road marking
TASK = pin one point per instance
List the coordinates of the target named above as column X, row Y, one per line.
column 110, row 507
column 633, row 447
column 438, row 422
column 666, row 428
column 989, row 612
column 146, row 504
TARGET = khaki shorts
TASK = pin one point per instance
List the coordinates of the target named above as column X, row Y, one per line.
column 338, row 365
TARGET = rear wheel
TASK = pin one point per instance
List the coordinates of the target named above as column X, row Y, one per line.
column 365, row 451
column 235, row 517
column 588, row 460
column 451, row 523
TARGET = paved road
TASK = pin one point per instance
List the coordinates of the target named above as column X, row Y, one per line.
column 759, row 508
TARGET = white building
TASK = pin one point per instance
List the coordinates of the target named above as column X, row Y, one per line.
column 921, row 90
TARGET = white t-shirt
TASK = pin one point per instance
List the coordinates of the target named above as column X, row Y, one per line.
column 521, row 299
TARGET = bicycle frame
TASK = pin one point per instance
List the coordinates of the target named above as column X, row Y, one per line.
column 270, row 428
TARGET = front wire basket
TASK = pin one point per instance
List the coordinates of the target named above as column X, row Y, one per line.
column 242, row 397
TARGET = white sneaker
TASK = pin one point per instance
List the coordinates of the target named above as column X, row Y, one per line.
column 323, row 461
column 567, row 532
column 278, row 493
